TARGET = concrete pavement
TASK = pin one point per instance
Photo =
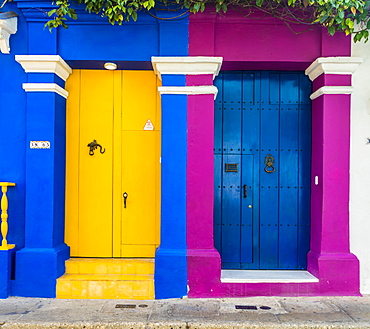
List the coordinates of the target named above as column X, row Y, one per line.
column 230, row 313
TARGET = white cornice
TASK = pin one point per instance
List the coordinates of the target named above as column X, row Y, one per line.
column 333, row 65
column 188, row 90
column 186, row 65
column 45, row 87
column 331, row 90
column 7, row 27
column 45, row 64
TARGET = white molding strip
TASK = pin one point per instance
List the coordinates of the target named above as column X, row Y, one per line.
column 188, row 90
column 265, row 276
column 45, row 64
column 333, row 65
column 331, row 90
column 7, row 27
column 186, row 65
column 46, row 87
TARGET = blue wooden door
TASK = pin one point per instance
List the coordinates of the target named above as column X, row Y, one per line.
column 262, row 169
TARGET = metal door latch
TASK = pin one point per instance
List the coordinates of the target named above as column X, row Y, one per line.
column 245, row 189
column 125, row 196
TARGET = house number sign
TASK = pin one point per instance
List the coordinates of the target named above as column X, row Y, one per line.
column 39, row 144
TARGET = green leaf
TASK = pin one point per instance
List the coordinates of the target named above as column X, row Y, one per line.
column 51, row 12
column 331, row 30
column 323, row 18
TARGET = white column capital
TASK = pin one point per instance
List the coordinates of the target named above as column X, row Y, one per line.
column 333, row 65
column 7, row 27
column 45, row 87
column 186, row 65
column 188, row 90
column 332, row 90
column 45, row 64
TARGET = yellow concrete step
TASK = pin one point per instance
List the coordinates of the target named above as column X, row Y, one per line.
column 107, row 278
column 109, row 286
column 110, row 266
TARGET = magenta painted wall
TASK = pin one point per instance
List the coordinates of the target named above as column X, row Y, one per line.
column 261, row 43
column 269, row 44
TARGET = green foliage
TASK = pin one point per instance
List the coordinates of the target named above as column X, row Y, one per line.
column 348, row 16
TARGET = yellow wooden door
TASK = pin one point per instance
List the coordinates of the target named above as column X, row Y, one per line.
column 112, row 108
column 140, row 164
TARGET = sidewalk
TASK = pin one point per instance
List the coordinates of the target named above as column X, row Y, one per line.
column 255, row 312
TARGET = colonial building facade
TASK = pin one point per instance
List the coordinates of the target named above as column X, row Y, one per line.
column 206, row 156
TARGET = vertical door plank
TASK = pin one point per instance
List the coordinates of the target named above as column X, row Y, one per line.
column 304, row 171
column 288, row 171
column 269, row 220
column 251, row 145
column 140, row 164
column 247, row 239
column 217, row 212
column 251, row 112
column 117, row 163
column 231, row 214
column 218, row 115
column 95, row 191
column 232, row 115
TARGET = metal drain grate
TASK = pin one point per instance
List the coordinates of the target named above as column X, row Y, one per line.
column 125, row 306
column 246, row 307
column 251, row 307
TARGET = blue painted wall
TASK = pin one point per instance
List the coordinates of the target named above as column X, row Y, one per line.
column 12, row 146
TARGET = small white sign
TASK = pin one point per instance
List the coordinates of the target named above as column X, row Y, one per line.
column 39, row 144
column 148, row 125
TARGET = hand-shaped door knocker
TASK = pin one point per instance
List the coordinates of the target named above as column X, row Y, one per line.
column 269, row 162
column 93, row 146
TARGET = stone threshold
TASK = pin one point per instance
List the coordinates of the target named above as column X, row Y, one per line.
column 264, row 276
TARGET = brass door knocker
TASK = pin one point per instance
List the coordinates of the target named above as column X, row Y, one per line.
column 269, row 162
column 93, row 146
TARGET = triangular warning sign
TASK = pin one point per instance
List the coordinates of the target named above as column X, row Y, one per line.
column 148, row 125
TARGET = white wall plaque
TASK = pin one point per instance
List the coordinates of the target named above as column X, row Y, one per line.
column 39, row 144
